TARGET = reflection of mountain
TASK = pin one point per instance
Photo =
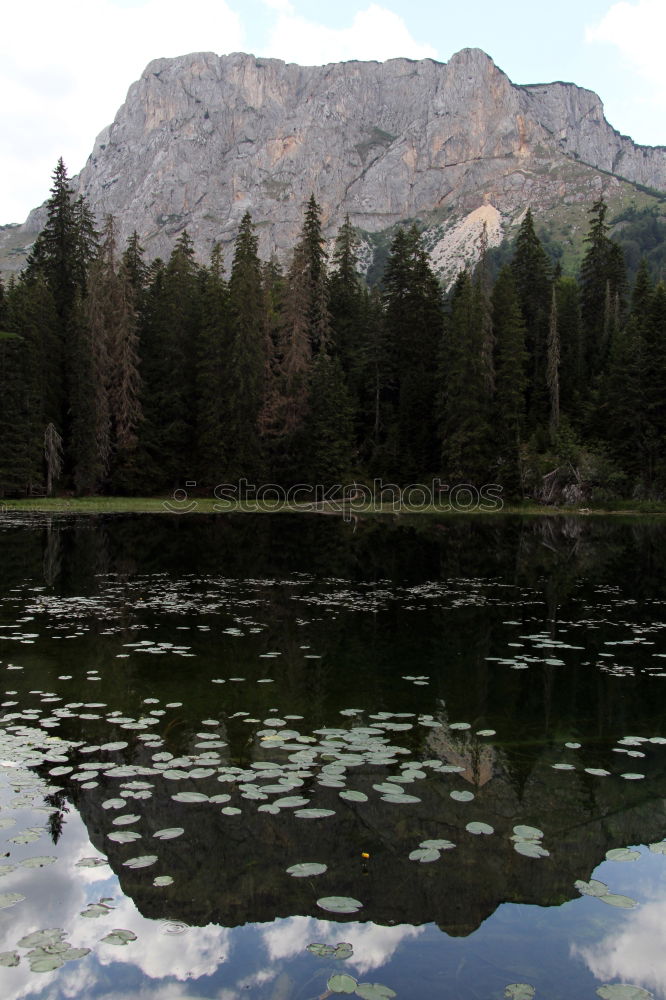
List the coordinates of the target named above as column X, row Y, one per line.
column 230, row 870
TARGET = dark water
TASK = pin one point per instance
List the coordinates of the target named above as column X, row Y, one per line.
column 458, row 718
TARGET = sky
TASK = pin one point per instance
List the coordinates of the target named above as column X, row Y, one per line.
column 65, row 68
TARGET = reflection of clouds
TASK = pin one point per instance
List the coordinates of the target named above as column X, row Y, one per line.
column 55, row 896
column 373, row 944
column 635, row 953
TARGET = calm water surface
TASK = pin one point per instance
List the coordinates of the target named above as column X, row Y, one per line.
column 459, row 724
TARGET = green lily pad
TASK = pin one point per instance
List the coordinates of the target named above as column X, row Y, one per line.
column 623, row 991
column 528, row 832
column 592, row 888
column 91, row 862
column 424, row 855
column 119, row 937
column 305, row 869
column 314, row 813
column 437, row 845
column 123, row 836
column 623, row 902
column 519, row 991
column 39, row 939
column 169, row 833
column 189, row 797
column 341, row 983
column 144, row 861
column 45, row 963
column 622, row 854
column 659, row 848
column 9, row 958
column 339, row 904
column 163, row 880
column 374, row 991
column 8, row 899
column 462, row 796
column 530, row 849
column 480, row 828
column 94, row 910
column 321, row 950
column 352, row 796
column 401, row 799
column 38, row 862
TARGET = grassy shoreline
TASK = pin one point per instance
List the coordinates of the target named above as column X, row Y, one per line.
column 209, row 505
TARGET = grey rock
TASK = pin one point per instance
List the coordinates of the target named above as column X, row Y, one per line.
column 202, row 138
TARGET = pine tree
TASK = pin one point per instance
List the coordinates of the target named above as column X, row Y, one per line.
column 213, row 349
column 532, row 273
column 330, row 425
column 511, row 380
column 602, row 281
column 247, row 362
column 553, row 367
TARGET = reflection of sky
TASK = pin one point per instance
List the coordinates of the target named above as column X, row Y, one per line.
column 633, row 952
column 163, row 965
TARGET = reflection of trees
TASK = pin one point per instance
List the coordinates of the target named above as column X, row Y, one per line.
column 56, row 821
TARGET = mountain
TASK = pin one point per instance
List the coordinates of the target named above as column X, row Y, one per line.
column 202, row 138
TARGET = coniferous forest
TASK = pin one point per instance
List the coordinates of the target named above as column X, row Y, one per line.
column 120, row 376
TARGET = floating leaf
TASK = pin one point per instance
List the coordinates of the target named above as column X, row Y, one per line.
column 305, row 869
column 374, row 991
column 437, row 845
column 519, row 991
column 144, row 861
column 352, row 796
column 339, row 904
column 623, row 991
column 479, row 828
column 314, row 813
column 631, row 776
column 169, row 833
column 622, row 854
column 341, row 984
column 530, row 849
column 96, row 910
column 592, row 888
column 163, row 880
column 189, row 797
column 38, row 862
column 119, row 937
column 462, row 796
column 8, row 899
column 9, row 958
column 424, row 855
column 123, row 836
column 400, row 800
column 659, row 848
column 39, row 939
column 623, row 902
column 528, row 832
column 321, row 950
column 598, row 772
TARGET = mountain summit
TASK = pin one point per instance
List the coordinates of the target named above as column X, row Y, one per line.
column 202, row 138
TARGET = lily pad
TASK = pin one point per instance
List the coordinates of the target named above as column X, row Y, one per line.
column 321, row 950
column 38, row 862
column 9, row 958
column 314, row 813
column 622, row 854
column 519, row 991
column 659, row 848
column 437, row 845
column 374, row 991
column 8, row 899
column 425, row 855
column 305, row 869
column 623, row 902
column 462, row 796
column 339, row 904
column 123, row 836
column 144, row 861
column 163, row 880
column 169, row 833
column 592, row 888
column 480, row 828
column 189, row 797
column 119, row 937
column 353, row 796
column 623, row 991
column 39, row 939
column 341, row 983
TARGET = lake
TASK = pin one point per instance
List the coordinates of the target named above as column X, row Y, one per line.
column 286, row 757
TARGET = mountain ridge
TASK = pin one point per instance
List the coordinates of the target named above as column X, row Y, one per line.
column 202, row 138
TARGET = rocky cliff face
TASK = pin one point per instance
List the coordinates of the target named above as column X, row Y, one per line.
column 202, row 138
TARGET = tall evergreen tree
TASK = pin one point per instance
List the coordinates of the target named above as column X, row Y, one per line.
column 213, row 348
column 247, row 362
column 510, row 382
column 602, row 281
column 532, row 273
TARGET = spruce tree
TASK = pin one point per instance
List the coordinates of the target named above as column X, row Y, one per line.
column 246, row 362
column 532, row 273
column 510, row 381
column 213, row 348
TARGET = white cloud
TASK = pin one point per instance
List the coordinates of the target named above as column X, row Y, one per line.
column 634, row 953
column 64, row 72
column 375, row 33
column 637, row 30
